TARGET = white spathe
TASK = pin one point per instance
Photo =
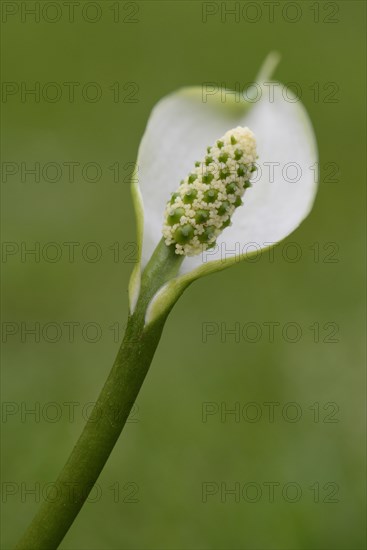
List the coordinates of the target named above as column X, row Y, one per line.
column 180, row 128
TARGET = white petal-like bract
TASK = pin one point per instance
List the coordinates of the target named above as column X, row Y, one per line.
column 182, row 126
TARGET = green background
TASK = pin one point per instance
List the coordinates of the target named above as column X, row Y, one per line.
column 167, row 450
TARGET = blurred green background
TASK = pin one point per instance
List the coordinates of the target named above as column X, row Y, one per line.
column 153, row 494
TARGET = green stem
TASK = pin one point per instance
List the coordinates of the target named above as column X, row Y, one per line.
column 109, row 415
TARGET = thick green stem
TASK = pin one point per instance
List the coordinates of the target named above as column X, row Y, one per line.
column 109, row 415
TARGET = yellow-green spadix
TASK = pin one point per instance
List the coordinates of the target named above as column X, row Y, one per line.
column 203, row 204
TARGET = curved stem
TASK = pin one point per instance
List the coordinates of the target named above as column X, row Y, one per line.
column 109, row 415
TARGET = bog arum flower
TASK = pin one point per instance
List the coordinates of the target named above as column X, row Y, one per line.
column 181, row 232
column 181, row 127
